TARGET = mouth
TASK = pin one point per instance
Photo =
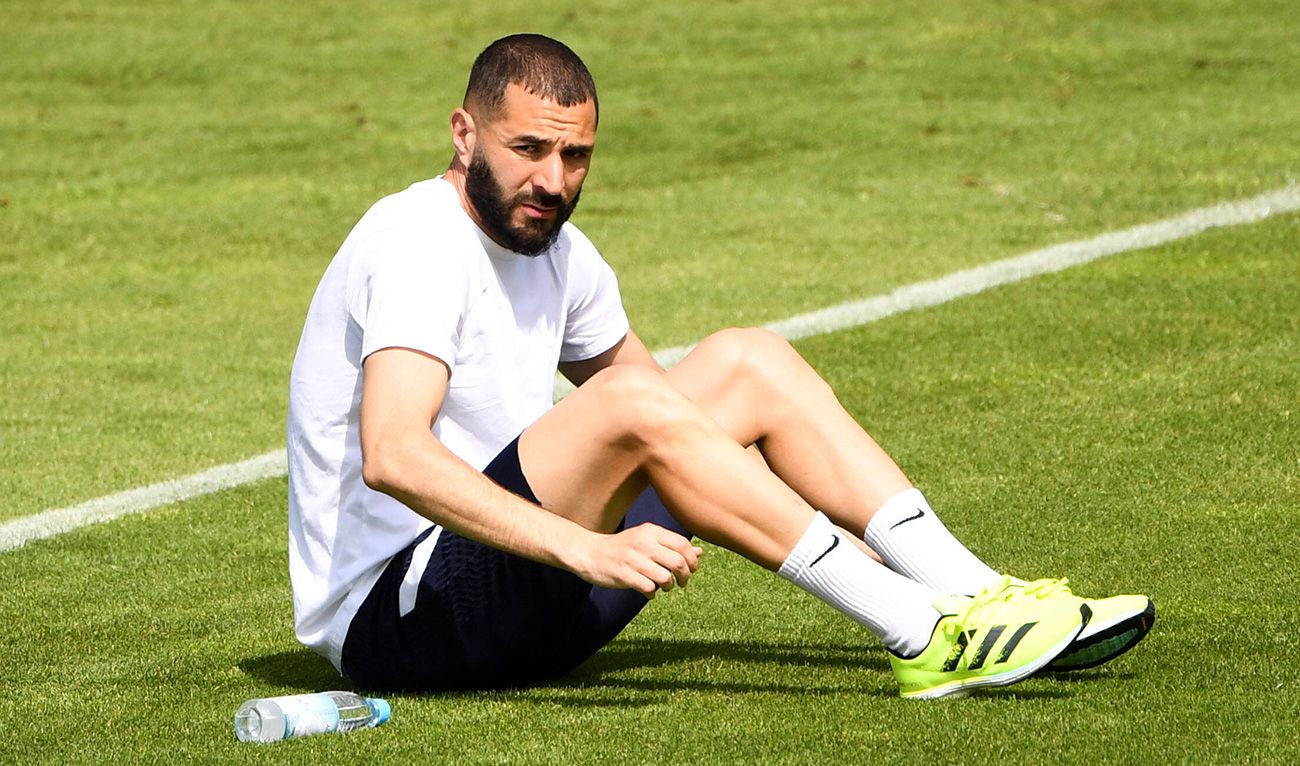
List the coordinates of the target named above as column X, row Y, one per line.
column 540, row 212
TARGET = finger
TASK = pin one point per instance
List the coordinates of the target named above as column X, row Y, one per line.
column 661, row 560
column 673, row 562
column 663, row 577
column 645, row 586
column 680, row 567
column 666, row 548
column 650, row 567
column 689, row 553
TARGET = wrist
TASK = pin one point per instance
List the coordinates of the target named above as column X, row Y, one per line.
column 574, row 547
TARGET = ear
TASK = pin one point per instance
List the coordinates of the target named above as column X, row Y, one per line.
column 463, row 136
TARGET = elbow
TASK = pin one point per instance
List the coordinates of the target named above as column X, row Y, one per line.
column 377, row 469
column 373, row 475
column 398, row 464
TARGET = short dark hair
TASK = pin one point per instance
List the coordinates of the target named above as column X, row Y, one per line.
column 542, row 66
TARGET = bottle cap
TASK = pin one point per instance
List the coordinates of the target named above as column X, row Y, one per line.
column 382, row 710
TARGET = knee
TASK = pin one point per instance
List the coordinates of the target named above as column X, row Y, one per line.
column 640, row 402
column 750, row 353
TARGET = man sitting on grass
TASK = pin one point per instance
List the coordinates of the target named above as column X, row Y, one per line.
column 450, row 528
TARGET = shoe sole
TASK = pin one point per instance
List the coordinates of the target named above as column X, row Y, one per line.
column 1106, row 644
column 961, row 688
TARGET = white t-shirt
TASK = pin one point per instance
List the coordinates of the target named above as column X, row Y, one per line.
column 417, row 273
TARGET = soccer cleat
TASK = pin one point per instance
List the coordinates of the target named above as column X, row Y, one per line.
column 1003, row 635
column 1118, row 624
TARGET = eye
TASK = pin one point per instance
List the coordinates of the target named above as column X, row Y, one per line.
column 528, row 150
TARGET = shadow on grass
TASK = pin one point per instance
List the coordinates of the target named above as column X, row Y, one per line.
column 623, row 665
column 297, row 669
column 1093, row 675
column 640, row 672
column 303, row 669
column 658, row 652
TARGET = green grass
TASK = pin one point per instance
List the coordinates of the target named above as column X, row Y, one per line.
column 1185, row 488
column 175, row 176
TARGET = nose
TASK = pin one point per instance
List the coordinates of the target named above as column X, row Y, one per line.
column 548, row 175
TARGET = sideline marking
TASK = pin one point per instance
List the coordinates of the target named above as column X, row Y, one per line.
column 1048, row 260
column 1021, row 267
column 19, row 532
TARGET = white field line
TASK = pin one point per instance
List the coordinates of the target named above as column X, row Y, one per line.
column 19, row 532
column 1017, row 268
column 16, row 533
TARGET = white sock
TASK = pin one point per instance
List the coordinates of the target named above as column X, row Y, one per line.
column 829, row 566
column 910, row 538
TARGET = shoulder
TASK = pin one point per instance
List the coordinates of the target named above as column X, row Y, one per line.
column 579, row 252
column 577, row 242
column 425, row 208
column 423, row 222
column 585, row 271
column 412, row 245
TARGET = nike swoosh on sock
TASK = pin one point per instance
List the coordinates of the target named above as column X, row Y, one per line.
column 919, row 514
column 835, row 540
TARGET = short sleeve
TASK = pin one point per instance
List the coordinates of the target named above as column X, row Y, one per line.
column 406, row 293
column 595, row 319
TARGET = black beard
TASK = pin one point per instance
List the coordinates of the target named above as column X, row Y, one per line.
column 534, row 237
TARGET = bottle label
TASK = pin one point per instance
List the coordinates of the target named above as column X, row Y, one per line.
column 306, row 714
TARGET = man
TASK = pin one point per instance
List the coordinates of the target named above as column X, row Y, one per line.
column 449, row 528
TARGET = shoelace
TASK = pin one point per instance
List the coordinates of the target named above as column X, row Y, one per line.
column 999, row 591
column 968, row 619
column 1047, row 588
column 1007, row 588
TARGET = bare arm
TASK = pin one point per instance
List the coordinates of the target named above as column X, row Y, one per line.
column 630, row 350
column 403, row 391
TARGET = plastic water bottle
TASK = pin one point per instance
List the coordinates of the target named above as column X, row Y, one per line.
column 299, row 715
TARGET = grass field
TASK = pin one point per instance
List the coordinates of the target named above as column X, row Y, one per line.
column 174, row 178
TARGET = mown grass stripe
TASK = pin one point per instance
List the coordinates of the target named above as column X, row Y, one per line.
column 19, row 532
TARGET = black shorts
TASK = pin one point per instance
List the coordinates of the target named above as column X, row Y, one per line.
column 484, row 618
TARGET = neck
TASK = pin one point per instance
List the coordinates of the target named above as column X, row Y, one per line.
column 455, row 175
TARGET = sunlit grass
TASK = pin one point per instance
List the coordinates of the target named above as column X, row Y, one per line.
column 175, row 176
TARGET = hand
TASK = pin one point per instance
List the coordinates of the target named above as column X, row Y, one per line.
column 646, row 558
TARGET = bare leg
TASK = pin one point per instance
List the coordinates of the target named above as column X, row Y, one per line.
column 747, row 387
column 590, row 455
column 760, row 391
column 857, row 540
column 629, row 424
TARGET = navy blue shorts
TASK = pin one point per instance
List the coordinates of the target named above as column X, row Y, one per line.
column 483, row 618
